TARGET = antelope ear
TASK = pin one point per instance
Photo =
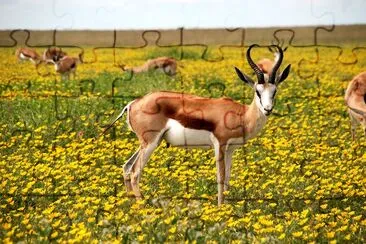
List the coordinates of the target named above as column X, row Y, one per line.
column 244, row 77
column 284, row 74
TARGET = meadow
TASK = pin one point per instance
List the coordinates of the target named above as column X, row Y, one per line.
column 302, row 179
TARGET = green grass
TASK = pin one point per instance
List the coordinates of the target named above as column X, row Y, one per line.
column 303, row 160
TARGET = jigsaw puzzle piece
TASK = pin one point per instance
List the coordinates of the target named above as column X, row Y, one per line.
column 306, row 65
column 283, row 37
column 231, row 44
column 352, row 35
column 123, row 87
column 41, row 39
column 152, row 43
column 128, row 42
column 67, row 39
column 20, row 37
column 13, row 38
column 360, row 52
column 168, row 42
column 191, row 41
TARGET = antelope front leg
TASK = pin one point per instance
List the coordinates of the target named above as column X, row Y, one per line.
column 228, row 159
column 354, row 124
column 220, row 164
column 353, row 132
column 220, row 167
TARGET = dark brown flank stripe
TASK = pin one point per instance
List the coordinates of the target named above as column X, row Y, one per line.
column 194, row 119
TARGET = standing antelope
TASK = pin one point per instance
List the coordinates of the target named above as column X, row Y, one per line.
column 53, row 54
column 28, row 54
column 192, row 121
column 356, row 101
column 165, row 64
column 67, row 65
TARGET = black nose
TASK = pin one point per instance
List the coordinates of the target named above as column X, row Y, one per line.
column 268, row 110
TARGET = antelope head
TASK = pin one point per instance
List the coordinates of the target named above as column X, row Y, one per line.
column 266, row 86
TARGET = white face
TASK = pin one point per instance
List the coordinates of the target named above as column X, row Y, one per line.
column 265, row 97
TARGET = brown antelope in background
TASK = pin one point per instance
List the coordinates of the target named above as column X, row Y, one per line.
column 190, row 121
column 165, row 64
column 67, row 65
column 53, row 54
column 355, row 99
column 28, row 54
column 266, row 65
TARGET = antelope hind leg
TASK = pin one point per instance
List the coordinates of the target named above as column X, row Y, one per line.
column 127, row 170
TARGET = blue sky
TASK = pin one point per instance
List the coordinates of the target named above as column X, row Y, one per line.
column 148, row 14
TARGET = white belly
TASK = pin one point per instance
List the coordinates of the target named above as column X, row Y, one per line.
column 179, row 136
column 23, row 57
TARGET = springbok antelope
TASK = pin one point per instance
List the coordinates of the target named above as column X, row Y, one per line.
column 192, row 121
column 355, row 99
column 266, row 64
column 28, row 54
column 165, row 64
column 67, row 65
column 53, row 54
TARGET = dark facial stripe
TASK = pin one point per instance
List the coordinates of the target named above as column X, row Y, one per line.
column 259, row 96
column 274, row 94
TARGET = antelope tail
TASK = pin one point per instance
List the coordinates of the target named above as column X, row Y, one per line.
column 126, row 108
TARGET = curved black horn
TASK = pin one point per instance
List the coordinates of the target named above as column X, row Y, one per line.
column 272, row 77
column 256, row 69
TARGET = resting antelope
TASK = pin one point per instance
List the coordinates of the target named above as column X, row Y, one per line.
column 266, row 65
column 53, row 54
column 28, row 54
column 67, row 65
column 356, row 101
column 192, row 121
column 165, row 64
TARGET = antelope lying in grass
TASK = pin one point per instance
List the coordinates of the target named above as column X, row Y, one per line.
column 266, row 65
column 356, row 101
column 53, row 54
column 67, row 65
column 28, row 54
column 165, row 64
column 191, row 121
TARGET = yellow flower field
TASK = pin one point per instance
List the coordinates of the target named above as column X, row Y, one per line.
column 302, row 179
